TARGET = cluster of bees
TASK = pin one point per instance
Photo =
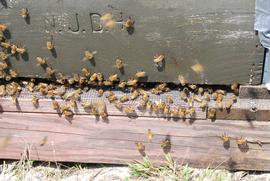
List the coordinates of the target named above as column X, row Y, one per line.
column 188, row 92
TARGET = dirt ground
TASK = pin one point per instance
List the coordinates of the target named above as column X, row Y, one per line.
column 26, row 171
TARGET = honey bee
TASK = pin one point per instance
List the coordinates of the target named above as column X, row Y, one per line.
column 190, row 101
column 13, row 88
column 197, row 99
column 72, row 95
column 50, row 45
column 119, row 106
column 109, row 94
column 122, row 85
column 100, row 93
column 142, row 104
column 219, row 98
column 20, row 50
column 132, row 82
column 220, row 92
column 50, row 93
column 86, row 72
column 234, row 98
column 204, row 104
column 108, row 21
column 234, row 87
column 40, row 61
column 112, row 98
column 100, row 77
column 149, row 105
column 229, row 103
column 155, row 108
column 182, row 112
column 183, row 95
column 49, row 71
column 24, row 13
column 102, row 110
column 2, row 36
column 30, row 86
column 4, row 141
column 113, row 78
column 13, row 49
column 225, row 138
column 214, row 95
column 206, row 96
column 44, row 141
column 2, row 90
column 110, row 24
column 140, row 74
column 167, row 110
column 200, row 90
column 166, row 144
column 3, row 65
column 129, row 110
column 60, row 78
column 140, row 146
column 155, row 91
column 212, row 113
column 241, row 141
column 190, row 111
column 197, row 68
column 3, row 27
column 129, row 23
column 106, row 17
column 13, row 73
column 3, row 56
column 93, row 77
column 149, row 135
column 35, row 101
column 158, row 59
column 88, row 55
column 119, row 63
column 61, row 91
column 55, row 105
column 68, row 113
column 134, row 95
column 174, row 112
column 124, row 98
column 192, row 86
column 66, row 110
column 71, row 81
column 181, row 80
column 14, row 99
column 6, row 45
column 160, row 106
column 86, row 105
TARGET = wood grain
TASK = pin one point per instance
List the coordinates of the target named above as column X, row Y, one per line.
column 92, row 141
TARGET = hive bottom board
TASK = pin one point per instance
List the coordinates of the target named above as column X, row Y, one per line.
column 87, row 139
column 45, row 135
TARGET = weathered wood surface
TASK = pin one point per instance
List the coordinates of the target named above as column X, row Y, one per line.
column 89, row 140
column 217, row 34
column 254, row 92
column 245, row 109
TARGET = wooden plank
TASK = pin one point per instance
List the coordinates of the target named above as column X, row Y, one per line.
column 91, row 141
column 244, row 109
column 218, row 34
column 254, row 92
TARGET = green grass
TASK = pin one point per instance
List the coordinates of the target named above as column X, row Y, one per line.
column 173, row 171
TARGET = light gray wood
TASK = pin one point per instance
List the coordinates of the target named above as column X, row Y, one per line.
column 91, row 141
